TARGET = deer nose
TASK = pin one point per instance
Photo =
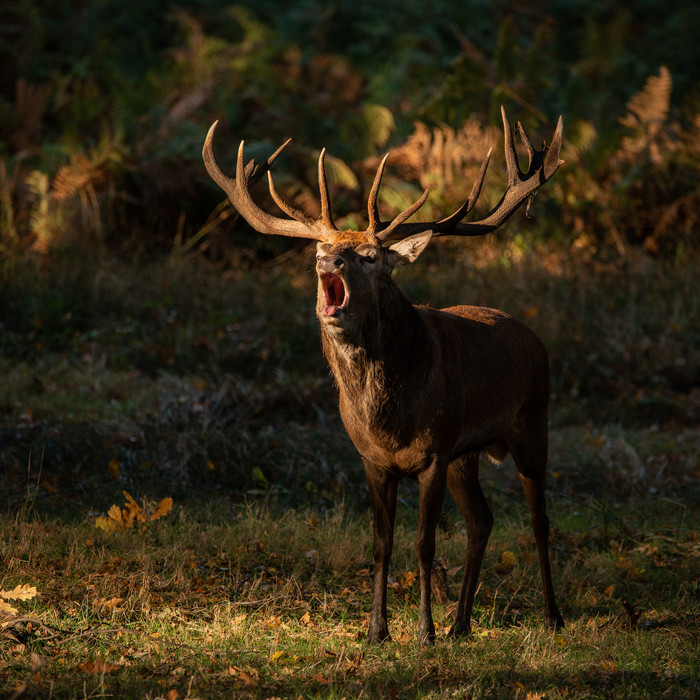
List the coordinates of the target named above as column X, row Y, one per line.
column 329, row 263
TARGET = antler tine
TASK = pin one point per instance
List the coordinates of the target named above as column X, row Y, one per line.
column 372, row 208
column 512, row 167
column 551, row 160
column 531, row 153
column 254, row 172
column 520, row 186
column 238, row 192
column 242, row 185
column 326, row 210
column 398, row 220
column 452, row 220
column 289, row 210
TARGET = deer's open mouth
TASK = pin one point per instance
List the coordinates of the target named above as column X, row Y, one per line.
column 334, row 295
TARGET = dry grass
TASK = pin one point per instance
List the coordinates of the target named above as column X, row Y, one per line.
column 242, row 600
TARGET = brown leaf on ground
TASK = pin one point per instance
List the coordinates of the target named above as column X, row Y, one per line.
column 19, row 592
column 99, row 666
column 162, row 509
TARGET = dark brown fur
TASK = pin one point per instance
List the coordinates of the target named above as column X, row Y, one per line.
column 422, row 392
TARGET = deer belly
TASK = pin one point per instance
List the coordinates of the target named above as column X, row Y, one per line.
column 488, row 438
column 387, row 453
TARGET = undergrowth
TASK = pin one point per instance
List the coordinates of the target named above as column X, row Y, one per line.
column 101, row 127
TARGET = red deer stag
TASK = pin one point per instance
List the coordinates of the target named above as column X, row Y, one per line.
column 423, row 392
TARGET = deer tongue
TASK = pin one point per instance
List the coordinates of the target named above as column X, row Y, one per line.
column 333, row 294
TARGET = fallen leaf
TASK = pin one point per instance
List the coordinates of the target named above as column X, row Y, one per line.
column 110, row 604
column 133, row 510
column 162, row 509
column 507, row 562
column 113, row 467
column 115, row 515
column 408, row 579
column 20, row 592
column 99, row 666
column 247, row 677
column 306, row 618
column 7, row 609
column 508, row 558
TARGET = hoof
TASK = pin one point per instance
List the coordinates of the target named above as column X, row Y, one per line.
column 460, row 630
column 554, row 621
column 378, row 635
column 426, row 640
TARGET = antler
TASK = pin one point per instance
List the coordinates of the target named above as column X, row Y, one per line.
column 541, row 166
column 299, row 225
column 238, row 191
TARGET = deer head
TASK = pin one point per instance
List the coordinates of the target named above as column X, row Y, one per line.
column 353, row 266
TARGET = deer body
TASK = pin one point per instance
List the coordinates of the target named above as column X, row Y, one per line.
column 458, row 379
column 423, row 392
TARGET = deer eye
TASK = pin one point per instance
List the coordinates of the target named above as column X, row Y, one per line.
column 368, row 257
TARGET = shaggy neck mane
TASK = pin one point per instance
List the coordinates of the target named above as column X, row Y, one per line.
column 388, row 340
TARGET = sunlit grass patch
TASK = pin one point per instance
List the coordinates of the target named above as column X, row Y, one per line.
column 265, row 603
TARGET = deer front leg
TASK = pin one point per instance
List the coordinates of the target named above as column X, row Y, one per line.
column 431, row 493
column 382, row 492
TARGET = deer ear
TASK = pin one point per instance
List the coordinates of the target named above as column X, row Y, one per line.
column 407, row 250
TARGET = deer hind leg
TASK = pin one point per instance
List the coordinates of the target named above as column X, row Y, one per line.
column 530, row 456
column 463, row 482
column 382, row 492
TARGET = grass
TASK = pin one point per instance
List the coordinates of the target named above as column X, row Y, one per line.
column 220, row 600
column 182, row 379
